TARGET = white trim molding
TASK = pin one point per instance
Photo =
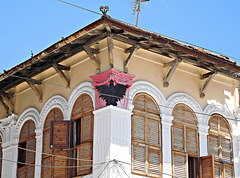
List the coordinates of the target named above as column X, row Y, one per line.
column 83, row 88
column 148, row 88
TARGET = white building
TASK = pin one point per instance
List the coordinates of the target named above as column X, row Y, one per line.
column 179, row 115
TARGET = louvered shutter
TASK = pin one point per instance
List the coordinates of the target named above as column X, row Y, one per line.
column 30, row 154
column 178, row 137
column 179, row 164
column 223, row 126
column 192, row 142
column 60, row 162
column 60, row 134
column 139, row 103
column 228, row 171
column 213, row 146
column 84, row 156
column 217, row 170
column 139, row 158
column 154, row 161
column 21, row 173
column 86, row 127
column 30, row 172
column 207, row 168
column 138, row 127
column 46, row 143
column 226, row 149
column 153, row 131
column 46, row 169
column 87, row 103
column 214, row 123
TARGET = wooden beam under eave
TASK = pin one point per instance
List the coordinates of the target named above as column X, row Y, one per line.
column 4, row 105
column 92, row 57
column 132, row 52
column 35, row 89
column 206, row 85
column 6, row 102
column 59, row 69
column 174, row 65
column 110, row 45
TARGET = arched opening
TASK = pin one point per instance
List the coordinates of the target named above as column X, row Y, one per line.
column 26, row 150
column 220, row 145
column 185, row 152
column 146, row 136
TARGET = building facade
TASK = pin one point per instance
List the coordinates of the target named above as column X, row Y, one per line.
column 113, row 100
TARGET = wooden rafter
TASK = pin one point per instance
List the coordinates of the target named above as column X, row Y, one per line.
column 110, row 45
column 90, row 53
column 4, row 105
column 31, row 83
column 132, row 50
column 59, row 69
column 5, row 101
column 174, row 65
column 209, row 77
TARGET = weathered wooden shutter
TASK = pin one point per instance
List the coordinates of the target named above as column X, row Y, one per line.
column 179, row 165
column 86, row 128
column 154, row 161
column 213, row 123
column 226, row 149
column 139, row 158
column 30, row 172
column 30, row 154
column 153, row 131
column 213, row 144
column 46, row 169
column 84, row 156
column 60, row 134
column 60, row 161
column 207, row 168
column 178, row 137
column 217, row 169
column 223, row 126
column 138, row 127
column 228, row 171
column 192, row 142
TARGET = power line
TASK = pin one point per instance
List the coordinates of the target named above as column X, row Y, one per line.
column 79, row 7
column 159, row 105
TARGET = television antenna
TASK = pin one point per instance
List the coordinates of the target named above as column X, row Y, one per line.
column 137, row 8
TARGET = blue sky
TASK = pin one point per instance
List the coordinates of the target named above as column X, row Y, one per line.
column 36, row 24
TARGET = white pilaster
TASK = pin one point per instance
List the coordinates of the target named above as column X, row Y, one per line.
column 166, row 145
column 236, row 158
column 112, row 141
column 38, row 155
column 203, row 141
column 9, row 162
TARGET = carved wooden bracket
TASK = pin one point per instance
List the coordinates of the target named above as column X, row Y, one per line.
column 174, row 65
column 90, row 52
column 110, row 45
column 209, row 76
column 32, row 83
column 132, row 50
column 59, row 69
column 5, row 102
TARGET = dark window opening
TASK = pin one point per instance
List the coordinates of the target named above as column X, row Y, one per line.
column 193, row 167
column 22, row 154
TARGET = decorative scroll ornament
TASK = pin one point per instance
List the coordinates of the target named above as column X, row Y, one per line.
column 8, row 122
column 236, row 112
column 109, row 94
column 104, row 10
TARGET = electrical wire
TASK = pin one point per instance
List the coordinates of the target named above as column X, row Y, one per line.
column 79, row 7
column 105, row 168
column 133, row 100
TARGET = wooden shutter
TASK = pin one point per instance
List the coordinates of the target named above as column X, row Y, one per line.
column 30, row 154
column 84, row 154
column 60, row 162
column 153, row 131
column 154, row 161
column 217, row 170
column 226, row 149
column 207, row 168
column 179, row 165
column 46, row 169
column 30, row 172
column 60, row 134
column 213, row 123
column 86, row 127
column 213, row 145
column 138, row 127
column 192, row 142
column 228, row 171
column 224, row 126
column 178, row 137
column 1, row 156
column 139, row 158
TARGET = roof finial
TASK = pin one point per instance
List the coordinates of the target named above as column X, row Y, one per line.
column 104, row 10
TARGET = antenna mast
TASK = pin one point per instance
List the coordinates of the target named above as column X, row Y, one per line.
column 137, row 8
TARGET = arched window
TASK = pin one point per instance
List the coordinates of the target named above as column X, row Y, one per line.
column 146, row 136
column 220, row 145
column 26, row 148
column 48, row 160
column 185, row 150
column 82, row 135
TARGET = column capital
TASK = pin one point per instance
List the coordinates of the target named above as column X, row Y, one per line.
column 166, row 119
